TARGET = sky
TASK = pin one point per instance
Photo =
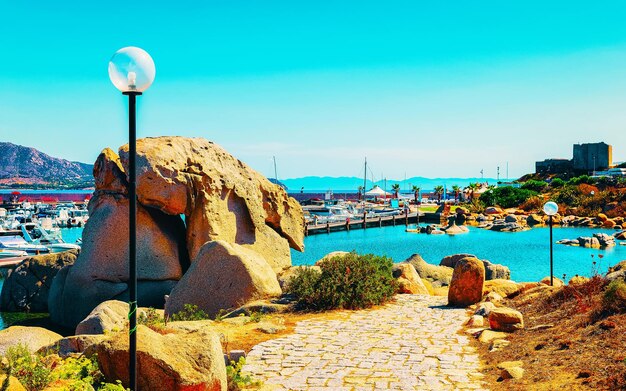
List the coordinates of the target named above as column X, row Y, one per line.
column 433, row 89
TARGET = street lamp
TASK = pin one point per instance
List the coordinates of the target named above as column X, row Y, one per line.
column 132, row 71
column 551, row 208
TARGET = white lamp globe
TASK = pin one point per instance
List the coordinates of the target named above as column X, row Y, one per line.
column 550, row 208
column 131, row 69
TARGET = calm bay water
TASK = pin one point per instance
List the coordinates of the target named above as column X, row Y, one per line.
column 525, row 253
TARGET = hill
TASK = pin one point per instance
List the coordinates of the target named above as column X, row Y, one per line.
column 27, row 167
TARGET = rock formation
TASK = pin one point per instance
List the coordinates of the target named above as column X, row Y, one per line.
column 221, row 198
column 408, row 280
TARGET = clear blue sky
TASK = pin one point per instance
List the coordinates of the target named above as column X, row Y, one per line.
column 423, row 88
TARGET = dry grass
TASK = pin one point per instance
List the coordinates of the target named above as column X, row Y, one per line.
column 583, row 350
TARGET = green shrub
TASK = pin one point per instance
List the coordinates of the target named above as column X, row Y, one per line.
column 190, row 312
column 557, row 183
column 614, row 297
column 28, row 368
column 581, row 179
column 506, row 196
column 151, row 319
column 237, row 381
column 351, row 281
column 534, row 185
column 568, row 195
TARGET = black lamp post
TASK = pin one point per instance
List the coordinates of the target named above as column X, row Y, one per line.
column 132, row 71
column 551, row 208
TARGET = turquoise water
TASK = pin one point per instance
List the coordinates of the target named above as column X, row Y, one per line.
column 526, row 253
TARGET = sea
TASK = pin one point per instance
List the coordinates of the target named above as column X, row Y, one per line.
column 526, row 253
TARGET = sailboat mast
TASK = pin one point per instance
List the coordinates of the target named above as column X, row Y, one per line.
column 275, row 172
column 365, row 177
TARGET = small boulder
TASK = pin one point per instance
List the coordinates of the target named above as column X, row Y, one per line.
column 534, row 219
column 491, row 210
column 475, row 321
column 73, row 344
column 493, row 297
column 109, row 316
column 172, row 362
column 577, row 280
column 408, row 280
column 505, row 288
column 510, row 219
column 466, row 286
column 11, row 384
column 495, row 271
column 557, row 282
column 488, row 335
column 34, row 338
column 498, row 344
column 505, row 319
column 223, row 276
column 484, row 308
column 451, row 260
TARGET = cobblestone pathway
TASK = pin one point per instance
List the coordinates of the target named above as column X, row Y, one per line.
column 408, row 345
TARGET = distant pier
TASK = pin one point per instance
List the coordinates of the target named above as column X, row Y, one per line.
column 371, row 222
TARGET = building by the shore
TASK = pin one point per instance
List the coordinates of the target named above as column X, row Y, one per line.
column 587, row 158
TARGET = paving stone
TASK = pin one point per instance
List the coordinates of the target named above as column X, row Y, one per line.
column 411, row 344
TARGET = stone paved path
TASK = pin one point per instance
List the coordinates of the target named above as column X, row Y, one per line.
column 412, row 344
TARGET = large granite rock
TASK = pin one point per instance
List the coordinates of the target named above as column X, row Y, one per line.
column 223, row 276
column 221, row 197
column 33, row 338
column 408, row 280
column 175, row 361
column 109, row 174
column 466, row 287
column 101, row 271
column 27, row 286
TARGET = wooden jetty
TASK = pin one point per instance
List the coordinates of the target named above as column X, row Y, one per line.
column 359, row 223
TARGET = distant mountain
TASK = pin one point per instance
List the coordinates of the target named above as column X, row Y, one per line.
column 23, row 166
column 321, row 184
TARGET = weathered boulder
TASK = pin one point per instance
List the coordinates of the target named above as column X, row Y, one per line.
column 174, row 361
column 27, row 286
column 484, row 308
column 534, row 219
column 439, row 275
column 495, row 271
column 453, row 229
column 33, row 338
column 510, row 219
column 466, row 287
column 602, row 217
column 621, row 265
column 493, row 210
column 475, row 321
column 489, row 335
column 221, row 197
column 223, row 276
column 505, row 288
column 505, row 319
column 408, row 280
column 503, row 226
column 620, row 235
column 511, row 370
column 577, row 280
column 100, row 272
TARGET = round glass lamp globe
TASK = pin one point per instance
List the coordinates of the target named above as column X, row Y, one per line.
column 131, row 69
column 550, row 208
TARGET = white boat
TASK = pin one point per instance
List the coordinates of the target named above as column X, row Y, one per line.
column 17, row 243
column 35, row 233
column 6, row 253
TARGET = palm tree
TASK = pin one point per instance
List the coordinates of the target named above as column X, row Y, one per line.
column 456, row 189
column 439, row 192
column 416, row 193
column 472, row 187
column 396, row 189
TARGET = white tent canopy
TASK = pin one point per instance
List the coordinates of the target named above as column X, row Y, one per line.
column 376, row 192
